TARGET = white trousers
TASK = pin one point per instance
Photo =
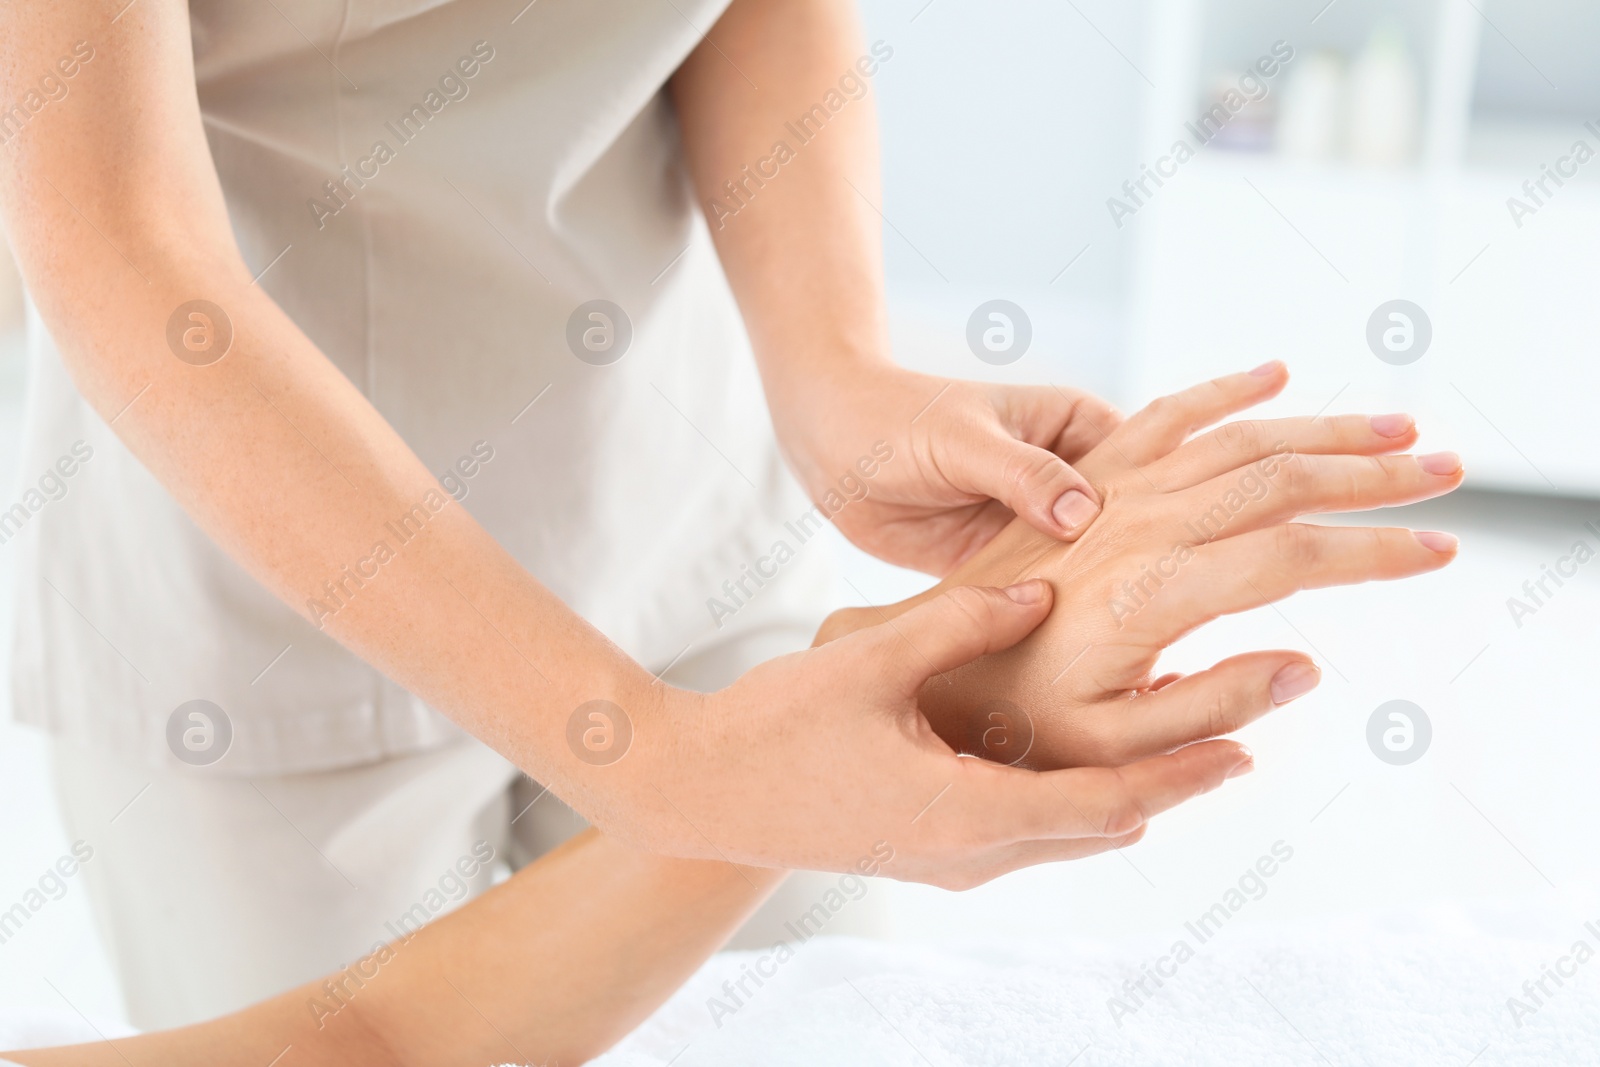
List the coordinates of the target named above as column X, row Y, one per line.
column 211, row 893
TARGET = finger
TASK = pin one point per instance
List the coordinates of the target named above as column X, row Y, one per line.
column 1168, row 421
column 1096, row 802
column 1282, row 488
column 1089, row 421
column 1239, row 444
column 1035, row 483
column 1010, row 858
column 1254, row 569
column 1210, row 703
column 953, row 629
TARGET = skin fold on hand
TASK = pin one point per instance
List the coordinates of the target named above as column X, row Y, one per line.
column 1191, row 530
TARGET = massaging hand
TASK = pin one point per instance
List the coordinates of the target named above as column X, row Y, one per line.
column 821, row 759
column 1189, row 532
column 967, row 456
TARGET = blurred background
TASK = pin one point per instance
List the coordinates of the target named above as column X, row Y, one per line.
column 1384, row 159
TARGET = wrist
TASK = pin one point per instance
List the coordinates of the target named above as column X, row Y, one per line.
column 830, row 412
column 805, row 370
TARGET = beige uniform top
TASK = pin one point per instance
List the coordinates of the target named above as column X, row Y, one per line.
column 433, row 189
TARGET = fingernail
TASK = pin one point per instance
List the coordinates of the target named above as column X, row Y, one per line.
column 1440, row 462
column 1267, row 368
column 1030, row 592
column 1295, row 680
column 1074, row 509
column 1391, row 425
column 1436, row 541
column 1244, row 766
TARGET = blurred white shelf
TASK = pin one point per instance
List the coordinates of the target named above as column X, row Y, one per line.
column 1244, row 257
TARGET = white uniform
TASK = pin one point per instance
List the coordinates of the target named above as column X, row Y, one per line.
column 434, row 190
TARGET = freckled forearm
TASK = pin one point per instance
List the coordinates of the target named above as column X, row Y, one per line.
column 555, row 965
column 261, row 439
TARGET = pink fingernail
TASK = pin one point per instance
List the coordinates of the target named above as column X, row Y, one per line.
column 1391, row 425
column 1435, row 541
column 1030, row 592
column 1295, row 680
column 1440, row 462
column 1244, row 766
column 1074, row 509
column 1267, row 368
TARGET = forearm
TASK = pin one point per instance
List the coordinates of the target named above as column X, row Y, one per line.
column 788, row 176
column 553, row 966
column 295, row 475
column 117, row 219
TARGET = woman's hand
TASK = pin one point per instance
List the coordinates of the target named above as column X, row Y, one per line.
column 823, row 760
column 967, row 455
column 967, row 458
column 1189, row 532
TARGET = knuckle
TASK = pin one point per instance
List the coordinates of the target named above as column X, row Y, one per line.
column 1298, row 545
column 1393, row 468
column 1241, row 438
column 959, row 881
column 1383, row 544
column 1122, row 819
column 1135, row 837
column 1099, row 413
column 1127, row 813
column 1218, row 713
column 1164, row 409
column 1027, row 469
column 1295, row 474
column 844, row 621
column 974, row 605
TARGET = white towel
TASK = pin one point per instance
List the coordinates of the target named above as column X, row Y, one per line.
column 1450, row 988
column 1398, row 991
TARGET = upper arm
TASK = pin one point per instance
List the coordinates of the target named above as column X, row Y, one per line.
column 106, row 173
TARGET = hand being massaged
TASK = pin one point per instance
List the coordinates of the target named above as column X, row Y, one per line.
column 742, row 773
column 1190, row 530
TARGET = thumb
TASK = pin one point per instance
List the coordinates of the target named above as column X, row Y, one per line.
column 955, row 628
column 1035, row 483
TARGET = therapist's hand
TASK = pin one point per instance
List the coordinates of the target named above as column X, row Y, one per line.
column 804, row 257
column 822, row 760
column 963, row 458
column 1189, row 532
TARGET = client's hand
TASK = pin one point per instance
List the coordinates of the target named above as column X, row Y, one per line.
column 1188, row 532
column 743, row 774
